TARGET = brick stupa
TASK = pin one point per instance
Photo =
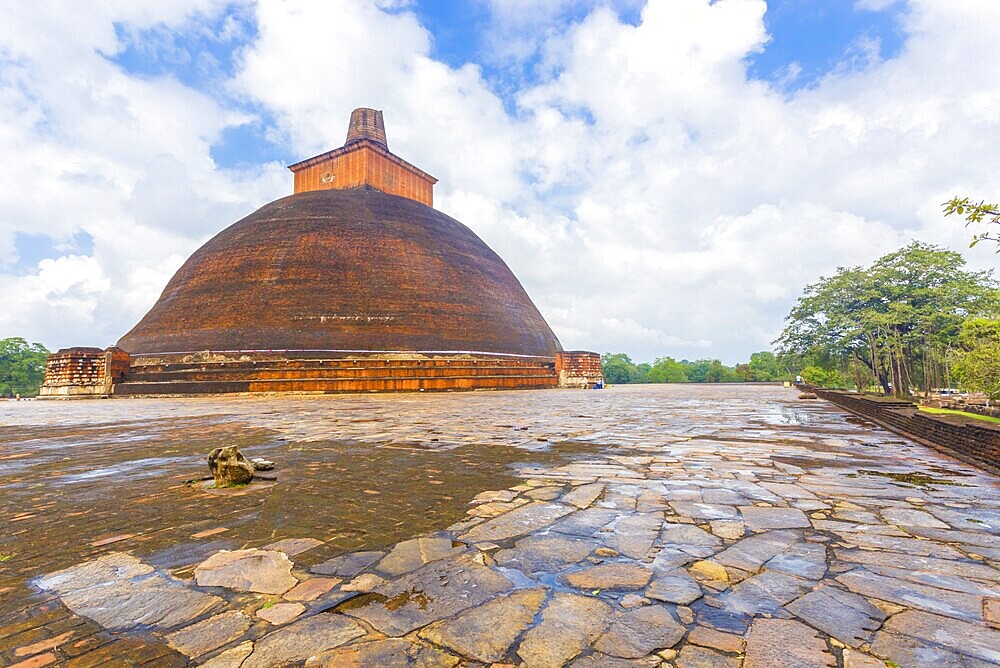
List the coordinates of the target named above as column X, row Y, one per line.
column 353, row 283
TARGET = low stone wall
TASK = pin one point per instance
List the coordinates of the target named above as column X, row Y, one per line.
column 269, row 372
column 973, row 441
column 83, row 373
column 579, row 368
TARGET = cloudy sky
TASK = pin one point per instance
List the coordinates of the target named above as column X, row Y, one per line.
column 663, row 177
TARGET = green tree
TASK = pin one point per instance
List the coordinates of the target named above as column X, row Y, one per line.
column 667, row 370
column 977, row 362
column 983, row 212
column 897, row 317
column 619, row 368
column 22, row 367
column 764, row 366
column 817, row 375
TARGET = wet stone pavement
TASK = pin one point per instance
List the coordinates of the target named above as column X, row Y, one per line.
column 640, row 526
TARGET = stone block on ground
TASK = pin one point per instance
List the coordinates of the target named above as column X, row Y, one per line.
column 636, row 633
column 849, row 618
column 570, row 623
column 302, row 639
column 229, row 467
column 410, row 555
column 612, row 575
column 281, row 613
column 439, row 589
column 517, row 522
column 294, row 546
column 758, row 518
column 785, row 642
column 253, row 570
column 347, row 565
column 486, row 633
column 550, row 553
column 120, row 592
column 674, row 587
column 391, row 652
column 209, row 634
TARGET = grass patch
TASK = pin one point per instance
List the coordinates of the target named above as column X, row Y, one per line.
column 949, row 411
column 4, row 556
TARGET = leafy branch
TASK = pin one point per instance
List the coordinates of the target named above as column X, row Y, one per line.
column 976, row 213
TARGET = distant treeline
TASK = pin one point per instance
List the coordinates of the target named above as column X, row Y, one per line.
column 762, row 367
column 22, row 367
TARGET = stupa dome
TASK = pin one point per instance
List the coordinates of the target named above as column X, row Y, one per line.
column 344, row 270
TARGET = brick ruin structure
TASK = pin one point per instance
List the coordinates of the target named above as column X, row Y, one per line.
column 352, row 284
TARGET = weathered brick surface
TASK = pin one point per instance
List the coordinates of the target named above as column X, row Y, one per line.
column 344, row 270
column 969, row 439
column 578, row 368
column 83, row 372
column 365, row 160
column 366, row 164
column 267, row 373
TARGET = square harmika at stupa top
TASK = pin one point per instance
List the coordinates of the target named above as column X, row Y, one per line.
column 364, row 160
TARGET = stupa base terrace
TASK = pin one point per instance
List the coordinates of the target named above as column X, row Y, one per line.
column 78, row 373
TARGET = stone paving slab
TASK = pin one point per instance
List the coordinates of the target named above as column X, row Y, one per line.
column 647, row 529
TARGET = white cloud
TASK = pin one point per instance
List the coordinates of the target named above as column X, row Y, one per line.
column 651, row 198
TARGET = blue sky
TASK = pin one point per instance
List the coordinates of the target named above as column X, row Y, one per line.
column 818, row 36
column 651, row 172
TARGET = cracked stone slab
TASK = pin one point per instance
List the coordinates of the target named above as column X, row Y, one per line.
column 570, row 623
column 909, row 517
column 638, row 632
column 681, row 535
column 584, row 522
column 674, row 587
column 120, row 591
column 758, row 518
column 439, row 589
column 633, row 535
column 209, row 634
column 281, row 613
column 785, row 642
column 550, row 552
column 806, row 560
column 294, row 546
column 231, row 658
column 584, row 495
column 750, row 553
column 849, row 618
column 711, row 638
column 410, row 555
column 382, row 654
column 764, row 593
column 347, row 565
column 598, row 660
column 704, row 511
column 258, row 571
column 910, row 562
column 303, row 639
column 311, row 589
column 611, row 575
column 904, row 650
column 692, row 656
column 517, row 522
column 486, row 633
column 913, row 595
column 973, row 640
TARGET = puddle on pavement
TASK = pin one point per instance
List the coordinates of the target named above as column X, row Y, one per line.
column 914, row 479
column 117, row 488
